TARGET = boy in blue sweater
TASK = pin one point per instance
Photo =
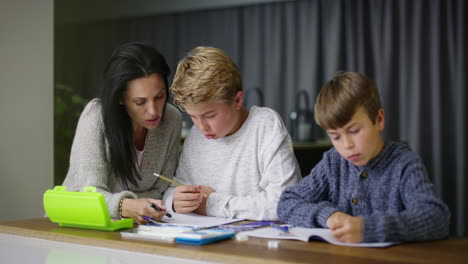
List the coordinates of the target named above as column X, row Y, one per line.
column 363, row 189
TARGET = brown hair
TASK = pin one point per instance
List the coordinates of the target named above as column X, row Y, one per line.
column 205, row 75
column 340, row 97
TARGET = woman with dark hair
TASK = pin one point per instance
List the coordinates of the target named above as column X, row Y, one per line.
column 128, row 134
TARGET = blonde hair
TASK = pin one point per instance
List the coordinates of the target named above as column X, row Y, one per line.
column 340, row 97
column 205, row 75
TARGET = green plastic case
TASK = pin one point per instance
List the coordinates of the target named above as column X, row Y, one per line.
column 85, row 209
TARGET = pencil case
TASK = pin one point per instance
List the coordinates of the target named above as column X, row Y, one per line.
column 86, row 209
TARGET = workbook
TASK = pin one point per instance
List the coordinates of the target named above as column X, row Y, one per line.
column 177, row 234
column 194, row 220
column 306, row 234
column 183, row 228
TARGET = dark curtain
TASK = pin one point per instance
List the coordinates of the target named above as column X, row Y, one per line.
column 413, row 49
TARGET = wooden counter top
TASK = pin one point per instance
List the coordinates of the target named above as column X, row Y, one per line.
column 255, row 250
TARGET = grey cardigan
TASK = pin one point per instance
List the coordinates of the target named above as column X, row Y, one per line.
column 90, row 163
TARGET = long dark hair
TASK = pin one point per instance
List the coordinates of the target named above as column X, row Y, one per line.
column 128, row 62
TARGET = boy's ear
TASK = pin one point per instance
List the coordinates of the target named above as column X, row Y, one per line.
column 380, row 122
column 239, row 99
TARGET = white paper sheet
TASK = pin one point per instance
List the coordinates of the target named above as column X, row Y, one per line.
column 198, row 221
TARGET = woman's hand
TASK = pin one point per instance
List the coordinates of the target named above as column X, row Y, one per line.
column 137, row 208
column 186, row 198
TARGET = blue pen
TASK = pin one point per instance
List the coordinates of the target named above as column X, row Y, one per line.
column 282, row 228
column 159, row 210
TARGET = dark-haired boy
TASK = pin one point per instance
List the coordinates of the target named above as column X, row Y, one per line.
column 364, row 189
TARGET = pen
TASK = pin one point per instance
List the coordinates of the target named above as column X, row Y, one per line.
column 149, row 219
column 282, row 228
column 175, row 182
column 159, row 210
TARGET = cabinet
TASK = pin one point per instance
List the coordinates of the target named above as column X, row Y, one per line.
column 308, row 154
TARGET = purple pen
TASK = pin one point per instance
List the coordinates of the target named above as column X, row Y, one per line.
column 149, row 219
column 282, row 228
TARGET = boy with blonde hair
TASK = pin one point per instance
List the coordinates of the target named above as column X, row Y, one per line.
column 240, row 159
column 364, row 189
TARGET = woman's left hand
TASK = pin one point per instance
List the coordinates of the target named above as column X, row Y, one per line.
column 138, row 208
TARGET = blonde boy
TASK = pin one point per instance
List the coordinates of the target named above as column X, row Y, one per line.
column 240, row 159
column 364, row 189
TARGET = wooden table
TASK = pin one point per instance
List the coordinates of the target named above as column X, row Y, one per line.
column 255, row 250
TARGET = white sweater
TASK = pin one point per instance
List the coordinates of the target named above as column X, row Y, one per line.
column 248, row 170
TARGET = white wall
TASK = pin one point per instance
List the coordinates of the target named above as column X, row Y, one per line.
column 26, row 109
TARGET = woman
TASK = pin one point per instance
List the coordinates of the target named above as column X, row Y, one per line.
column 128, row 134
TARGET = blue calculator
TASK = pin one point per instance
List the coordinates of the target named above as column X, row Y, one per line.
column 205, row 236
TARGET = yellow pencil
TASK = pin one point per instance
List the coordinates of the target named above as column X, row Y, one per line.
column 173, row 181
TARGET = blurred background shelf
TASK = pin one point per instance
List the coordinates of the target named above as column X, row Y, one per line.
column 308, row 154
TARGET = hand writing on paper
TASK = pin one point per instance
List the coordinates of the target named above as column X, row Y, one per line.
column 137, row 208
column 202, row 208
column 345, row 228
column 186, row 198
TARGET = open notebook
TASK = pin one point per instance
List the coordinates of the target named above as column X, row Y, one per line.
column 306, row 234
column 85, row 209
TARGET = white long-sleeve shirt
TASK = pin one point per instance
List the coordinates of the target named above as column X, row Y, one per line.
column 248, row 170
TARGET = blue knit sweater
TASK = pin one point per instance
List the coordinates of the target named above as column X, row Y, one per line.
column 392, row 194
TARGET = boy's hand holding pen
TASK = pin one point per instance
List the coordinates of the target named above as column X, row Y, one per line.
column 188, row 198
column 173, row 181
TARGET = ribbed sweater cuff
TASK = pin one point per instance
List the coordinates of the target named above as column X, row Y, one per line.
column 370, row 231
column 114, row 202
column 324, row 214
column 216, row 203
column 168, row 200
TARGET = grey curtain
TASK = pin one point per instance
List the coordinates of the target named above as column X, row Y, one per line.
column 414, row 49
